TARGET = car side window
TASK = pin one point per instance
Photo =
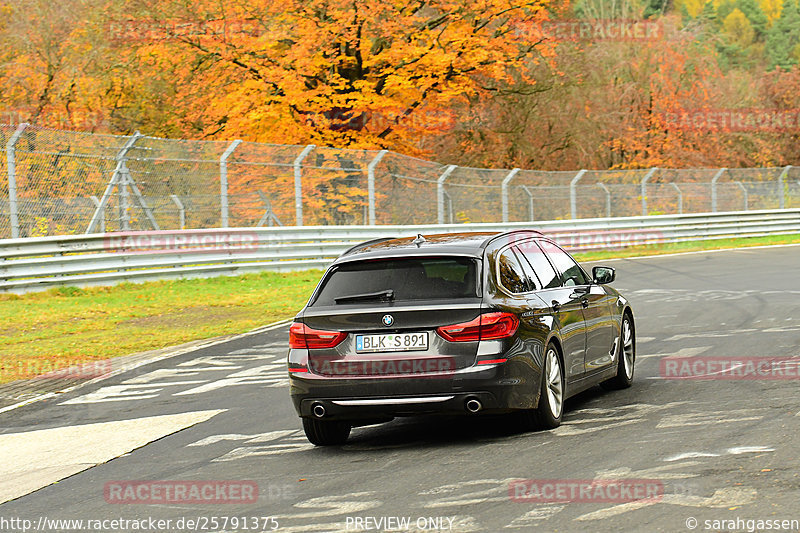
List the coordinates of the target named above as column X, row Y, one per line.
column 509, row 272
column 548, row 278
column 527, row 269
column 571, row 272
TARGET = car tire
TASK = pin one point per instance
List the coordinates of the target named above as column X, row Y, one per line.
column 626, row 356
column 326, row 432
column 548, row 414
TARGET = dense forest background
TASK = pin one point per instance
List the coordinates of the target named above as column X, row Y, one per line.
column 486, row 83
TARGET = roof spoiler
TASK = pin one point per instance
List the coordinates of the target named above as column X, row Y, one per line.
column 365, row 244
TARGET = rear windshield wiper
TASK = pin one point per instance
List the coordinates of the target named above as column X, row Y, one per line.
column 386, row 295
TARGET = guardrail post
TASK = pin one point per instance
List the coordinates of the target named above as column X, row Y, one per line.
column 680, row 197
column 440, row 193
column 573, row 193
column 530, row 201
column 298, row 184
column 645, row 179
column 223, row 183
column 181, row 210
column 714, row 180
column 744, row 193
column 12, row 179
column 371, row 186
column 608, row 198
column 782, row 188
column 504, row 192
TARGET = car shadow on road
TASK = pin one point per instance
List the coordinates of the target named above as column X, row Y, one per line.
column 440, row 430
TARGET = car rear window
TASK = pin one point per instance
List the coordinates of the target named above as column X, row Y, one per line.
column 407, row 279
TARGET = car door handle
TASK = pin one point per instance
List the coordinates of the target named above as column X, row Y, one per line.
column 556, row 305
column 585, row 302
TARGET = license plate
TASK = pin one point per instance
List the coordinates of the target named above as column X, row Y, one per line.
column 391, row 342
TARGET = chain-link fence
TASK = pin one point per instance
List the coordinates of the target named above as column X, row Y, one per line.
column 55, row 182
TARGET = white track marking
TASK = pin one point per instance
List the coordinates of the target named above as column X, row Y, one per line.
column 271, row 375
column 690, row 455
column 258, row 437
column 682, row 353
column 115, row 393
column 35, row 459
column 727, row 497
column 708, row 418
column 532, row 518
column 749, row 449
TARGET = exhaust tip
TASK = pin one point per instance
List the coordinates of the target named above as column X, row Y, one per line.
column 473, row 405
column 318, row 410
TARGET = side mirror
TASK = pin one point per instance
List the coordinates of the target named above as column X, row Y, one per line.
column 602, row 275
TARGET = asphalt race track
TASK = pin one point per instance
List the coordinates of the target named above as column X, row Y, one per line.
column 718, row 449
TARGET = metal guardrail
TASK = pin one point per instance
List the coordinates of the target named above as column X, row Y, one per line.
column 102, row 259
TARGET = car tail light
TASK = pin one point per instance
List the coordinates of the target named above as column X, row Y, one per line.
column 485, row 327
column 302, row 336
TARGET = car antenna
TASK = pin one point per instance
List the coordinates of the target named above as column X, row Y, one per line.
column 419, row 240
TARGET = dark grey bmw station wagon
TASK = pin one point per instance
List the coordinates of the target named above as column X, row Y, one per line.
column 455, row 323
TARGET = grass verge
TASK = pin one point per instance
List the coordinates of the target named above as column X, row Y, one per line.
column 688, row 246
column 41, row 332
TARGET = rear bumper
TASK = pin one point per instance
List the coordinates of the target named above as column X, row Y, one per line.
column 500, row 387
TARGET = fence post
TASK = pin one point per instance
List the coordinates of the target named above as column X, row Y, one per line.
column 573, row 193
column 298, row 184
column 440, row 192
column 118, row 179
column 371, row 185
column 608, row 198
column 714, row 180
column 530, row 201
column 96, row 201
column 12, row 179
column 504, row 192
column 680, row 197
column 645, row 179
column 782, row 188
column 223, row 182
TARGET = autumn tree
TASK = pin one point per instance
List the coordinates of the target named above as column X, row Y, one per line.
column 783, row 40
column 342, row 73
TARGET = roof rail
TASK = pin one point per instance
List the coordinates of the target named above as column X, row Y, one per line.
column 504, row 233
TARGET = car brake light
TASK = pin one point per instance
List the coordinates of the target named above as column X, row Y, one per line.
column 302, row 336
column 484, row 327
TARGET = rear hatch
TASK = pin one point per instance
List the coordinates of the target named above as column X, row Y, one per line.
column 386, row 313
